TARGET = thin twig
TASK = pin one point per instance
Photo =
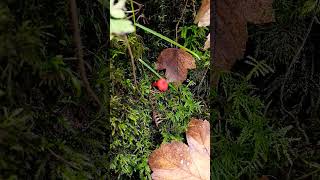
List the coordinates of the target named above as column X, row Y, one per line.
column 132, row 60
column 317, row 20
column 202, row 79
column 63, row 160
column 79, row 53
column 288, row 174
column 133, row 14
column 140, row 6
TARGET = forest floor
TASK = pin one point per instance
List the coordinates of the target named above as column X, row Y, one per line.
column 264, row 112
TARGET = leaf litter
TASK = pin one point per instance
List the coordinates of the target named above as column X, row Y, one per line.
column 176, row 62
column 177, row 160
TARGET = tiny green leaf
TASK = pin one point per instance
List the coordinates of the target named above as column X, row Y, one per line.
column 121, row 26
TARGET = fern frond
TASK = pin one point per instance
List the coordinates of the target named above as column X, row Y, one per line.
column 259, row 68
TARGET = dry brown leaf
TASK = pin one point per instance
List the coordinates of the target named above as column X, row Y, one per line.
column 203, row 16
column 232, row 18
column 176, row 62
column 181, row 162
column 203, row 19
column 232, row 35
column 207, row 43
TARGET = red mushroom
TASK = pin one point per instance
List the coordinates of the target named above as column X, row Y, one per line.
column 161, row 84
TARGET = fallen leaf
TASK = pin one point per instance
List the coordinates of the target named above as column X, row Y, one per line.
column 203, row 16
column 207, row 43
column 203, row 19
column 176, row 62
column 178, row 161
column 232, row 18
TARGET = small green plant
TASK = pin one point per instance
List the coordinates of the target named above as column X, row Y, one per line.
column 310, row 7
column 167, row 39
column 193, row 38
column 259, row 68
column 118, row 23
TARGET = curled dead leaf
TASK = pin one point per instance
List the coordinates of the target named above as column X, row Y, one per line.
column 232, row 18
column 203, row 19
column 178, row 161
column 203, row 16
column 176, row 62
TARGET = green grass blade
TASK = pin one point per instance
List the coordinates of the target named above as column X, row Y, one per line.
column 167, row 39
column 133, row 15
column 150, row 68
column 154, row 72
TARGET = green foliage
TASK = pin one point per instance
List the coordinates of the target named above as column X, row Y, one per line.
column 310, row 7
column 16, row 142
column 24, row 151
column 259, row 68
column 177, row 107
column 167, row 39
column 279, row 42
column 131, row 127
column 194, row 38
column 278, row 45
column 243, row 141
column 120, row 47
column 48, row 127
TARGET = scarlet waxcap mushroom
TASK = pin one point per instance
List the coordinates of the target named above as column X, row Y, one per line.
column 161, row 84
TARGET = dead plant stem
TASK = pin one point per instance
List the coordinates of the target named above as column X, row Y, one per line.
column 79, row 52
column 132, row 60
